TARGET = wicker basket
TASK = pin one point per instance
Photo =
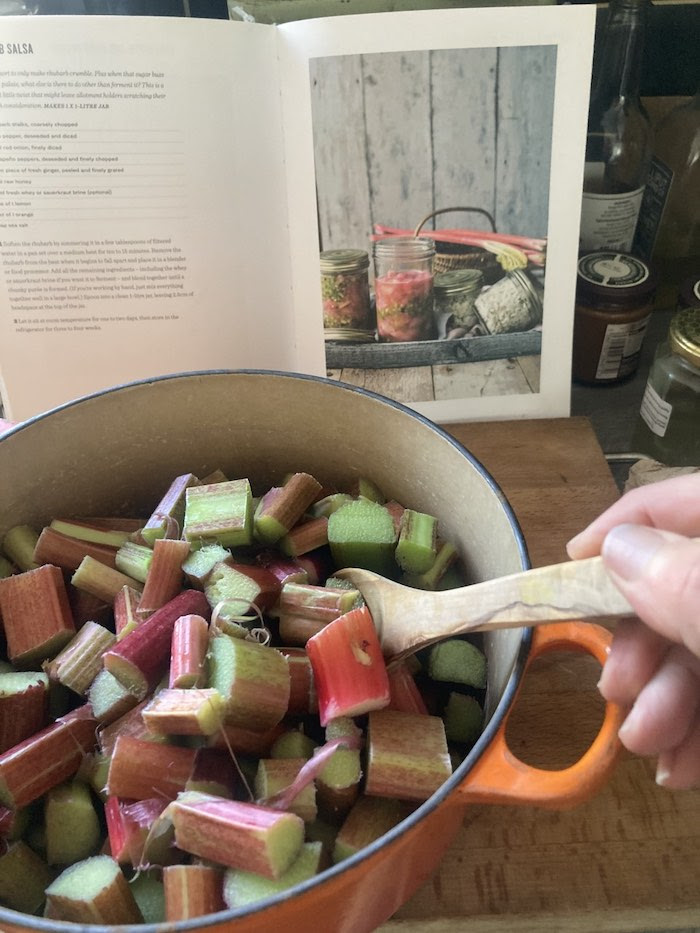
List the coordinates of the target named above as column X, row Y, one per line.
column 450, row 256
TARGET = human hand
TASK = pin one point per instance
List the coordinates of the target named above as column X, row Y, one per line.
column 650, row 546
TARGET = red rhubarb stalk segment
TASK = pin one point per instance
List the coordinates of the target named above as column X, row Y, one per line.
column 141, row 658
column 67, row 552
column 128, row 824
column 405, row 695
column 192, row 891
column 164, row 578
column 24, row 707
column 309, row 771
column 349, row 669
column 140, row 769
column 125, row 611
column 238, row 835
column 188, row 651
column 36, row 614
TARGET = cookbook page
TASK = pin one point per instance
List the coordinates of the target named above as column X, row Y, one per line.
column 142, row 203
column 465, row 126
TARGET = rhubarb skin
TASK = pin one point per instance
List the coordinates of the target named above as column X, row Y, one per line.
column 243, row 887
column 23, row 878
column 140, row 659
column 24, row 707
column 367, row 821
column 238, row 835
column 141, row 770
column 248, row 742
column 125, row 611
column 405, row 695
column 36, row 615
column 43, row 760
column 188, row 652
column 170, row 509
column 220, row 512
column 92, row 891
column 282, row 506
column 165, row 574
column 129, row 723
column 348, row 665
column 178, row 711
column 192, row 891
column 101, row 581
column 274, row 774
column 128, row 823
column 67, row 552
column 80, row 661
column 302, row 692
column 407, row 755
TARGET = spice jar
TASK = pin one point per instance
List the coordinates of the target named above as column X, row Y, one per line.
column 455, row 292
column 403, row 288
column 668, row 428
column 689, row 293
column 614, row 301
column 345, row 294
column 510, row 305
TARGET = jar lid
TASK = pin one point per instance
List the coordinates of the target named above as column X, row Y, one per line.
column 684, row 335
column 404, row 247
column 610, row 274
column 689, row 293
column 343, row 260
column 458, row 280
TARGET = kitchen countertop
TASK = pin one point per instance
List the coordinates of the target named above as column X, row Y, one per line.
column 629, row 859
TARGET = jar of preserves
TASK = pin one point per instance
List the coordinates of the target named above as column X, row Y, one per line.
column 345, row 293
column 510, row 305
column 614, row 301
column 403, row 288
column 689, row 293
column 455, row 292
column 668, row 427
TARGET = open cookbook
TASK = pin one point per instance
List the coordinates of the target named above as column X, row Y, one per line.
column 167, row 188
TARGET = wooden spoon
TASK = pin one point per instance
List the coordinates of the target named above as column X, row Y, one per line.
column 408, row 619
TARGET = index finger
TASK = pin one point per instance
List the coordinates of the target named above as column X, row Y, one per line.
column 671, row 505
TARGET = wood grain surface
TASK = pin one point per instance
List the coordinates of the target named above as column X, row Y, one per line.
column 628, row 860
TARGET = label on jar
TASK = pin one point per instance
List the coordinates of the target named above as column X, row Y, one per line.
column 655, row 411
column 608, row 221
column 619, row 353
column 656, row 192
column 614, row 270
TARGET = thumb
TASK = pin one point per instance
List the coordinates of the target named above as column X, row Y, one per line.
column 659, row 573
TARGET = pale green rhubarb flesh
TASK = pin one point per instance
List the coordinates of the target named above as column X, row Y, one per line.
column 92, row 891
column 219, row 512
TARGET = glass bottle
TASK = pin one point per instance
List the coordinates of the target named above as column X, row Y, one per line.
column 618, row 143
column 345, row 294
column 668, row 427
column 668, row 231
column 403, row 288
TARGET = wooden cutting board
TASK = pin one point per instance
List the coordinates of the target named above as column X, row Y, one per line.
column 628, row 860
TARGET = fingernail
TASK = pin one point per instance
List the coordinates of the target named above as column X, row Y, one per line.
column 628, row 549
column 662, row 776
column 572, row 547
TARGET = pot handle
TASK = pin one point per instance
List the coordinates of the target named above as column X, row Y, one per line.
column 499, row 777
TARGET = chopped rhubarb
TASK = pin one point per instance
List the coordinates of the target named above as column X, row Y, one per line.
column 80, row 661
column 193, row 711
column 24, row 706
column 200, row 563
column 464, row 718
column 249, row 742
column 407, row 755
column 36, row 615
column 169, row 511
column 148, row 892
column 7, row 568
column 405, row 695
column 128, row 824
column 92, row 891
column 275, row 774
column 109, row 698
column 416, row 549
column 305, row 609
column 241, row 588
column 188, row 651
column 141, row 770
column 220, row 512
column 305, row 537
column 284, row 569
column 112, row 532
column 126, row 616
column 349, row 669
column 164, row 578
column 238, row 835
column 253, row 680
column 322, row 508
column 430, row 580
column 18, row 544
column 141, row 658
column 302, row 690
column 129, row 724
column 192, row 891
column 24, row 876
column 368, row 820
column 244, row 887
column 293, row 744
column 215, row 772
column 43, row 760
column 67, row 552
column 101, row 581
column 338, row 784
column 282, row 506
column 457, row 660
column 362, row 534
column 88, row 608
column 134, row 560
column 72, row 826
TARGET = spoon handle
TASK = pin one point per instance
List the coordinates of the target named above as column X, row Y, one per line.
column 577, row 589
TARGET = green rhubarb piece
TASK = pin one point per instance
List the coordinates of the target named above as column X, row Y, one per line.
column 338, row 583
column 362, row 534
column 72, row 826
column 220, row 512
column 452, row 579
column 80, row 661
column 92, row 891
column 18, row 544
column 456, row 660
column 283, row 506
column 368, row 820
column 200, row 563
column 170, row 510
column 463, row 718
column 343, row 767
column 293, row 744
column 276, row 774
column 416, row 548
column 13, row 682
column 244, row 887
column 24, row 876
column 236, row 592
column 368, row 490
column 93, row 770
column 430, row 580
column 329, row 504
column 6, row 567
column 149, row 895
column 109, row 698
column 95, row 532
column 134, row 560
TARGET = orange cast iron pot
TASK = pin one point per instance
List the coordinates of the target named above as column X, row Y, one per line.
column 115, row 452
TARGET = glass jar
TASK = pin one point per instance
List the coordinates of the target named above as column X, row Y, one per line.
column 511, row 305
column 345, row 293
column 668, row 427
column 689, row 293
column 614, row 301
column 455, row 292
column 403, row 288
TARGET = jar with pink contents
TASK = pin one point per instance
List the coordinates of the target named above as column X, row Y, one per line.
column 403, row 288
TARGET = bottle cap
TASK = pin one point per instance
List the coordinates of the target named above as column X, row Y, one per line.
column 684, row 335
column 343, row 260
column 613, row 275
column 456, row 281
